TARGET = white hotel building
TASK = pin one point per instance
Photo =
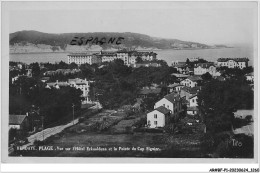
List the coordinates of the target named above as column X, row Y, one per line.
column 82, row 58
column 233, row 62
column 129, row 57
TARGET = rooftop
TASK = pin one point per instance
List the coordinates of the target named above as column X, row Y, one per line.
column 194, row 78
column 81, row 54
column 193, row 90
column 180, row 64
column 220, row 78
column 146, row 91
column 192, row 109
column 193, row 95
column 16, row 119
column 250, row 74
column 51, row 84
column 174, row 85
column 179, row 75
column 173, row 97
column 234, row 59
column 205, row 65
column 163, row 110
column 78, row 81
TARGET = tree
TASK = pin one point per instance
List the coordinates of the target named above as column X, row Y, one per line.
column 73, row 66
column 63, row 65
column 12, row 134
column 35, row 69
column 206, row 76
column 149, row 101
column 86, row 71
column 187, row 61
column 218, row 100
column 139, row 59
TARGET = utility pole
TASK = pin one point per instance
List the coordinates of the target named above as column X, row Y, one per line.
column 73, row 111
column 42, row 128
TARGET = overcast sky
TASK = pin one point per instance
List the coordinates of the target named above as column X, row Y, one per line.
column 207, row 22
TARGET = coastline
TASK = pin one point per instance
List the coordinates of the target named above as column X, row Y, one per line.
column 94, row 51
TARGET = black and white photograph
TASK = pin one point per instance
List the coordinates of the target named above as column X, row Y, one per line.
column 130, row 80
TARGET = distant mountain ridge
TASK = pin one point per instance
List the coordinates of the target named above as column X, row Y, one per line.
column 34, row 41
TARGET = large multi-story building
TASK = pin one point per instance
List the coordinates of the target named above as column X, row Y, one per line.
column 233, row 62
column 83, row 85
column 129, row 57
column 82, row 58
column 202, row 68
column 107, row 56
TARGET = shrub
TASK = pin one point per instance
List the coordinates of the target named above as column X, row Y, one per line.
column 148, row 130
column 140, row 123
column 81, row 119
column 38, row 143
column 249, row 118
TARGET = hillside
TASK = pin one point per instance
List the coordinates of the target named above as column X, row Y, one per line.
column 34, row 41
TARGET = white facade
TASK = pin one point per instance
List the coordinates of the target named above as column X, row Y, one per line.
column 232, row 64
column 174, row 107
column 194, row 58
column 175, row 88
column 81, row 84
column 82, row 59
column 192, row 112
column 250, row 77
column 108, row 58
column 155, row 119
column 212, row 70
column 193, row 101
column 165, row 103
column 189, row 83
column 18, row 127
column 200, row 71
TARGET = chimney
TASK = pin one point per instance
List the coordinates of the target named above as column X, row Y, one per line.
column 57, row 81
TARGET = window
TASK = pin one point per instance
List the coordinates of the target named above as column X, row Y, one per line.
column 155, row 115
column 193, row 100
column 155, row 123
column 163, row 105
column 168, row 106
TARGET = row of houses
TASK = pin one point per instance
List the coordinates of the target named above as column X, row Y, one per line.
column 211, row 67
column 61, row 71
column 171, row 105
column 82, row 84
column 183, row 93
column 129, row 57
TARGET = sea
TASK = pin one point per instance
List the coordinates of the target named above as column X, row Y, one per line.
column 168, row 55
